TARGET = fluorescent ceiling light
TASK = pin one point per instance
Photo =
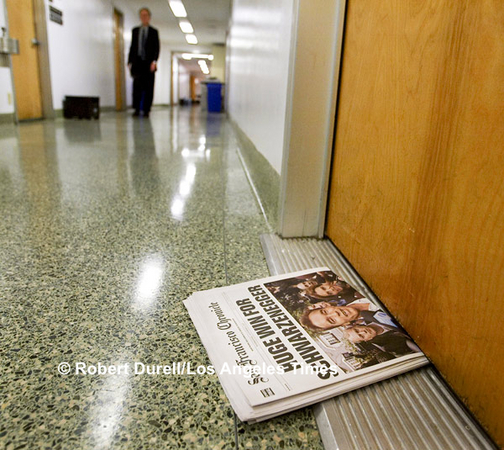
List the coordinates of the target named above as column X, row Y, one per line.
column 188, row 56
column 177, row 8
column 191, row 39
column 186, row 26
column 203, row 66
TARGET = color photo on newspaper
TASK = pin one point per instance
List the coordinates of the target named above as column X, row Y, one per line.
column 351, row 329
column 302, row 337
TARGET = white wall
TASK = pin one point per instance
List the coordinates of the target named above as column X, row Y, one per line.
column 183, row 83
column 81, row 51
column 5, row 75
column 163, row 74
column 258, row 50
column 218, row 66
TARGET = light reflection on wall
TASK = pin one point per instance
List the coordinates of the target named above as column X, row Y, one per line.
column 150, row 279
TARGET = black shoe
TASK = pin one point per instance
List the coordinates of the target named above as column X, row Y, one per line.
column 136, row 113
column 146, row 115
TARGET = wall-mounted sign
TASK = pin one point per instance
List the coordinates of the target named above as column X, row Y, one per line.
column 56, row 15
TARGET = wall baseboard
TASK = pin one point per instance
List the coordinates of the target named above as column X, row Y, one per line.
column 264, row 177
column 7, row 118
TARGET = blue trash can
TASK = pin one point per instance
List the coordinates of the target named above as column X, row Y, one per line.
column 214, row 97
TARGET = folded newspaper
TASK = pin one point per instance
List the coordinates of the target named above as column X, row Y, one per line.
column 288, row 341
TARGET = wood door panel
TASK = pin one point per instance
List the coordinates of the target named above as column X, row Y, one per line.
column 25, row 66
column 417, row 191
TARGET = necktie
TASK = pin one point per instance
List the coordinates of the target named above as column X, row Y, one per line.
column 141, row 43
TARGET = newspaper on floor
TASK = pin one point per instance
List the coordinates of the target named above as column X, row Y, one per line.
column 288, row 341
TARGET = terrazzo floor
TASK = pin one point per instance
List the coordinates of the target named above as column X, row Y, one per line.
column 106, row 227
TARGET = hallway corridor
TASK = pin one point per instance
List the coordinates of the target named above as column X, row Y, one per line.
column 106, row 227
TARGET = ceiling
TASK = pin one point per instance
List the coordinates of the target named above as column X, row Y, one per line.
column 209, row 18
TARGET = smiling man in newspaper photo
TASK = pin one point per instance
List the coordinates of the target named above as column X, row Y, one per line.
column 326, row 315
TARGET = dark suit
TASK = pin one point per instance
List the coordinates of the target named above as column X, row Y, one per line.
column 378, row 317
column 143, row 78
column 392, row 342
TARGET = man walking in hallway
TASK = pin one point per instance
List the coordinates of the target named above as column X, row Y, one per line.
column 142, row 62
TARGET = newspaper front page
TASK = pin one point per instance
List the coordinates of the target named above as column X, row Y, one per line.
column 302, row 336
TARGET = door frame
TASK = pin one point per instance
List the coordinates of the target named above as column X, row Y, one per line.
column 119, row 71
column 173, row 79
column 40, row 16
column 307, row 151
column 9, row 59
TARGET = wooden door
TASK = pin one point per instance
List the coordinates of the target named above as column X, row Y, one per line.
column 25, row 66
column 417, row 192
column 119, row 60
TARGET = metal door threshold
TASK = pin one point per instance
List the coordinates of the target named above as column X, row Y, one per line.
column 415, row 410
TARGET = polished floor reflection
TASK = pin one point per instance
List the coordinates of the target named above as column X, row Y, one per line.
column 106, row 227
